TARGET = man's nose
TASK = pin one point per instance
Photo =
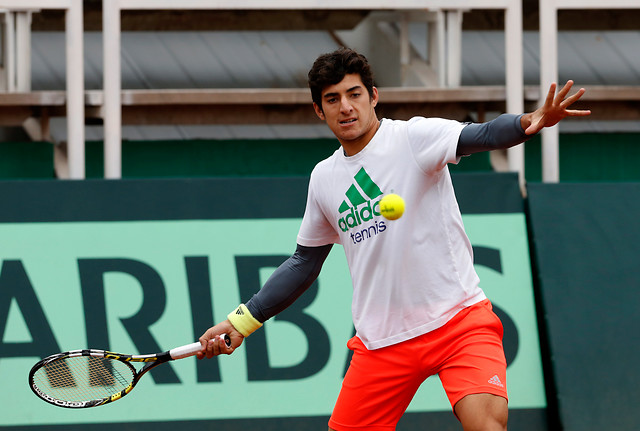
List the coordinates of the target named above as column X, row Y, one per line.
column 345, row 105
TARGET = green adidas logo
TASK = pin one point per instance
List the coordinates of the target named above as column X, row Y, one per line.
column 360, row 205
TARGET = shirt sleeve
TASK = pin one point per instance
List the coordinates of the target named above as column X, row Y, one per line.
column 288, row 282
column 316, row 230
column 434, row 142
column 500, row 133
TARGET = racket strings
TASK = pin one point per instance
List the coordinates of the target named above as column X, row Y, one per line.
column 83, row 378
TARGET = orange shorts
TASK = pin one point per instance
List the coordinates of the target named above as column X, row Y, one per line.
column 466, row 353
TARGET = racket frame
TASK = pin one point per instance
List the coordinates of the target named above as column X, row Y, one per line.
column 151, row 361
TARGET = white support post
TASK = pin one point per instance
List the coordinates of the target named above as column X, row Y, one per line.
column 514, row 80
column 23, row 50
column 548, row 75
column 112, row 87
column 75, row 90
column 438, row 48
column 10, row 51
column 405, row 47
column 454, row 47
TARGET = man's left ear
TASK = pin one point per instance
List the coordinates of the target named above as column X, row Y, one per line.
column 319, row 111
column 374, row 96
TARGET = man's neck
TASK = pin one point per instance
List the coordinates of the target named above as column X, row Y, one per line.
column 351, row 148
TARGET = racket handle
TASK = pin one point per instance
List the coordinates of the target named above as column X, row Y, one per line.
column 193, row 348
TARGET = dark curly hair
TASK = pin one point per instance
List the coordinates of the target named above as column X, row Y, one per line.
column 330, row 69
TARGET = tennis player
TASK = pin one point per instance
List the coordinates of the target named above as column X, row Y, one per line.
column 417, row 307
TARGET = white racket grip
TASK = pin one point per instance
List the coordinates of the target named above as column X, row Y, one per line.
column 193, row 348
column 185, row 351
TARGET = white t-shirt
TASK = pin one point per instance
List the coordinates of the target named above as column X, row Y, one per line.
column 411, row 275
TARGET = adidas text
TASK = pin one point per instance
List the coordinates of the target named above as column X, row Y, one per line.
column 356, row 216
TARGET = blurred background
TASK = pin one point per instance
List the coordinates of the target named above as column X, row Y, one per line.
column 119, row 115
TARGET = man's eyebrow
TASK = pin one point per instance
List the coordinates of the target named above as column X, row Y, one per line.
column 354, row 88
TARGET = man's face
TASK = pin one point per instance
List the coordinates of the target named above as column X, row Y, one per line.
column 349, row 111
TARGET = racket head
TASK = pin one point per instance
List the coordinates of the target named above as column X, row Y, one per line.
column 82, row 378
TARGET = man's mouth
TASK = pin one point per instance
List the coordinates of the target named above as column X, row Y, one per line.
column 350, row 120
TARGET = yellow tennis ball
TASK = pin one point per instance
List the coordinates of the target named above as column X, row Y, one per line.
column 392, row 206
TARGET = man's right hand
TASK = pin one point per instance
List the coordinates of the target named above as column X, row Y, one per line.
column 214, row 345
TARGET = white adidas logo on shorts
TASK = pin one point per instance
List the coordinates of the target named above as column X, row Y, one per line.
column 495, row 380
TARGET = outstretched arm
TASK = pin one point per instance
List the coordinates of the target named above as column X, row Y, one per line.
column 508, row 130
column 286, row 284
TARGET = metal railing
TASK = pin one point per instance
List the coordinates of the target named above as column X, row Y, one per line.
column 18, row 72
column 549, row 68
column 112, row 103
column 112, row 107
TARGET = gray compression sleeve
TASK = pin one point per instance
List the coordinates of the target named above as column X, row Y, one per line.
column 288, row 281
column 503, row 132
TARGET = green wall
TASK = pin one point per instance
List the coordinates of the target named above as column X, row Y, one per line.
column 584, row 157
column 584, row 241
column 25, row 160
column 589, row 157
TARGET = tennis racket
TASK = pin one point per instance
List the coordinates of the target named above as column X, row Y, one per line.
column 90, row 378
